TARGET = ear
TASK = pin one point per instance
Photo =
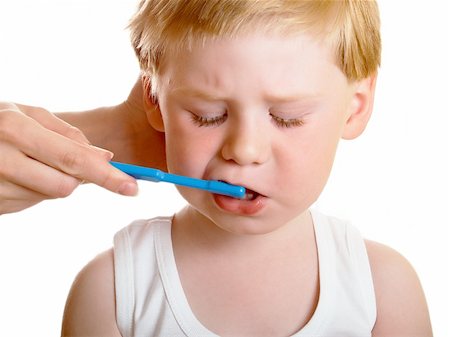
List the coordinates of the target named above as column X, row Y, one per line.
column 360, row 108
column 151, row 105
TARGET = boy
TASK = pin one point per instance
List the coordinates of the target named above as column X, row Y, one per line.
column 255, row 93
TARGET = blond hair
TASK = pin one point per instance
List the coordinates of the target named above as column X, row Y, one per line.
column 160, row 27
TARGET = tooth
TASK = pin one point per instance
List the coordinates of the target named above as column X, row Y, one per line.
column 249, row 195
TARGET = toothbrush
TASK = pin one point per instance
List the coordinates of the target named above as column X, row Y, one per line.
column 155, row 175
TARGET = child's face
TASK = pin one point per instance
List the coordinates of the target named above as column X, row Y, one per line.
column 262, row 112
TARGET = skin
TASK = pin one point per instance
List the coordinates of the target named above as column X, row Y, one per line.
column 250, row 146
column 56, row 156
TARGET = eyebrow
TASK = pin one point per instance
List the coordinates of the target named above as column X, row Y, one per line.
column 197, row 94
column 309, row 97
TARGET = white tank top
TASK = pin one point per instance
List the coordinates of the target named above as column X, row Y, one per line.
column 150, row 300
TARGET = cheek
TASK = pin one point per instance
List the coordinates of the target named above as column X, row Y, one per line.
column 179, row 151
column 307, row 169
column 188, row 150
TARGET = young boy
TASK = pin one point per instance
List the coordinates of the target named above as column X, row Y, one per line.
column 254, row 93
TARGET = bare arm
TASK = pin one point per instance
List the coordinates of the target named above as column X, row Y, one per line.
column 90, row 306
column 401, row 306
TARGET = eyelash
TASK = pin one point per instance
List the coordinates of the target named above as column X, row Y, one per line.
column 287, row 123
column 208, row 121
column 215, row 121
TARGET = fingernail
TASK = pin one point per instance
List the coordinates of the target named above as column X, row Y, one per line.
column 109, row 154
column 128, row 189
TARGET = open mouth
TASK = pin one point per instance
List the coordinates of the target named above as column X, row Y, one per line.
column 250, row 205
column 250, row 195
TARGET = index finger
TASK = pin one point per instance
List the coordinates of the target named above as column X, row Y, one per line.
column 79, row 160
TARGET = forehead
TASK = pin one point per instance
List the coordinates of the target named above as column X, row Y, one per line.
column 292, row 63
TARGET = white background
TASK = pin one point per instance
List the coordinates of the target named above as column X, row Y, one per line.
column 392, row 182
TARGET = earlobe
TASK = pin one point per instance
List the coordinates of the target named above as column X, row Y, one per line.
column 360, row 108
column 151, row 106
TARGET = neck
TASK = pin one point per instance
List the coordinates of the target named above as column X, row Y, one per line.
column 195, row 232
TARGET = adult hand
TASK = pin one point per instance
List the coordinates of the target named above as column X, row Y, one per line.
column 43, row 157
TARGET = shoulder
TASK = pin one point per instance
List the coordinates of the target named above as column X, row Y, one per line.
column 90, row 306
column 401, row 305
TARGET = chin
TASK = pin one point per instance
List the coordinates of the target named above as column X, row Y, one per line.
column 266, row 220
column 244, row 225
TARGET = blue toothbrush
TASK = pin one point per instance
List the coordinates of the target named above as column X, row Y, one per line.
column 151, row 174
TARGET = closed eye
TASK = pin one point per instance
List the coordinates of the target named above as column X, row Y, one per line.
column 286, row 123
column 208, row 121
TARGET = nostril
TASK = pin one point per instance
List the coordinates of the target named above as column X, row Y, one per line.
column 247, row 148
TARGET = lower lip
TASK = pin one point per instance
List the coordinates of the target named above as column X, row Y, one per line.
column 240, row 206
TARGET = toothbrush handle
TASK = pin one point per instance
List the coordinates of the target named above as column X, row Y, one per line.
column 155, row 175
column 213, row 186
column 140, row 172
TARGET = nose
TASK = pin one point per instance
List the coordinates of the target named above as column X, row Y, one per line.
column 246, row 144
